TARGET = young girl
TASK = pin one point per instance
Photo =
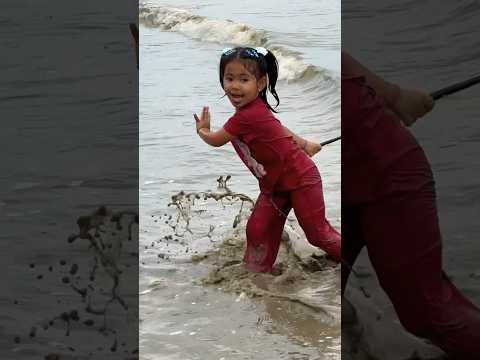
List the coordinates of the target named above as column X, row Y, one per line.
column 278, row 158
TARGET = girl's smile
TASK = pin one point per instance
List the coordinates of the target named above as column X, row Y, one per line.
column 240, row 85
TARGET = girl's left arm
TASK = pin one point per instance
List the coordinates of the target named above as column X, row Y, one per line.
column 213, row 138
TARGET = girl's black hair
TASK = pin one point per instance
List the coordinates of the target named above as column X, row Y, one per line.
column 264, row 65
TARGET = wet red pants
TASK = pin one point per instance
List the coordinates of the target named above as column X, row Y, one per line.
column 265, row 225
column 389, row 206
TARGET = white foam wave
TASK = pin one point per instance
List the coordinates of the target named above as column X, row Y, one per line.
column 199, row 27
column 227, row 32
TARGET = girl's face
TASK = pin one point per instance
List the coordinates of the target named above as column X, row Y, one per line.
column 240, row 85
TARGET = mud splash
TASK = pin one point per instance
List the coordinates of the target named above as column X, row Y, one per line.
column 193, row 255
column 302, row 275
column 293, row 280
column 97, row 296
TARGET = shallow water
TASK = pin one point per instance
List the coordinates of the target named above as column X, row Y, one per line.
column 182, row 318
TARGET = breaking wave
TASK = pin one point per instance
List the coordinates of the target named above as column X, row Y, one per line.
column 229, row 33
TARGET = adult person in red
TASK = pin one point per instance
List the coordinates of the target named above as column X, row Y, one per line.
column 278, row 158
column 389, row 206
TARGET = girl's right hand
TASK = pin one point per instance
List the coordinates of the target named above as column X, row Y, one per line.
column 411, row 104
column 204, row 121
column 312, row 148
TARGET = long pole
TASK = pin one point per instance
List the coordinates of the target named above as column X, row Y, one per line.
column 435, row 95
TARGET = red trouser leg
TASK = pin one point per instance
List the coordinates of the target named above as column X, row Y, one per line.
column 264, row 231
column 309, row 208
column 265, row 225
column 404, row 245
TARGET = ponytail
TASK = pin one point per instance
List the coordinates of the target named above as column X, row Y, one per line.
column 272, row 72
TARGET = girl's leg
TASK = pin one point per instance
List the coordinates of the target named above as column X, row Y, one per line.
column 386, row 176
column 264, row 231
column 309, row 207
column 404, row 244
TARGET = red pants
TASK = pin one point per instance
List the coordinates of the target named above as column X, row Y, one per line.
column 389, row 206
column 265, row 225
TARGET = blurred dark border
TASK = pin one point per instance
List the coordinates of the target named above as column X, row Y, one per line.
column 424, row 45
column 69, row 179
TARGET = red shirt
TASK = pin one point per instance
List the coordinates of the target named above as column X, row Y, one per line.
column 373, row 139
column 263, row 145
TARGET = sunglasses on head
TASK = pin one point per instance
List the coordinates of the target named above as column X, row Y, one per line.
column 252, row 52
